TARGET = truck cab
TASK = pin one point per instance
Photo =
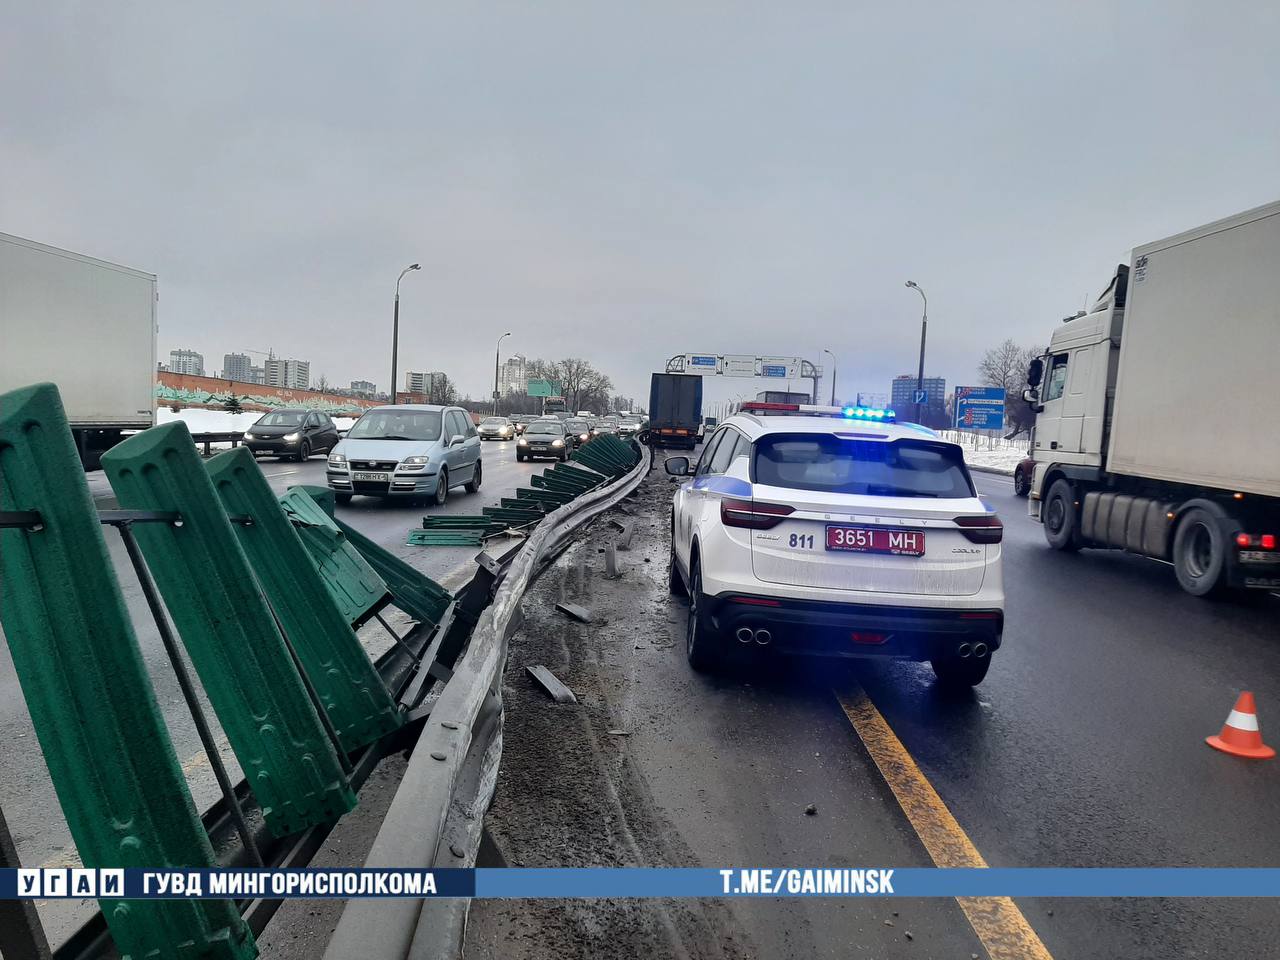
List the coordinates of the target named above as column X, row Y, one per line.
column 1074, row 385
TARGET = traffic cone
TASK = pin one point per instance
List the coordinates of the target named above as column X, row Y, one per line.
column 1240, row 735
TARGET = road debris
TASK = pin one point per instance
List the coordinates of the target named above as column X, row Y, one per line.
column 581, row 614
column 549, row 682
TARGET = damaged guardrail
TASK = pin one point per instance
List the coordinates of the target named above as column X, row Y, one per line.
column 436, row 817
column 226, row 574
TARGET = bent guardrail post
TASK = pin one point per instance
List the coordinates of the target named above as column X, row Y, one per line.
column 229, row 632
column 417, row 595
column 109, row 755
column 353, row 695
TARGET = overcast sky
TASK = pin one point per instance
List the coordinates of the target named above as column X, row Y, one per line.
column 625, row 182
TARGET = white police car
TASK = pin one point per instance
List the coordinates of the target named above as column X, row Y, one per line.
column 836, row 531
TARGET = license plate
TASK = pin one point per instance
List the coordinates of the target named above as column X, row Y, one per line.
column 905, row 543
column 372, row 477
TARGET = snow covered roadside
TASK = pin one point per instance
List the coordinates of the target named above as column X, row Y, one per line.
column 992, row 454
column 223, row 421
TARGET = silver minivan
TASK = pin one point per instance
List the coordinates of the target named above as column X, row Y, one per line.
column 407, row 450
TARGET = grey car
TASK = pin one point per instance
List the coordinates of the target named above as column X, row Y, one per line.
column 407, row 450
column 497, row 428
column 544, row 438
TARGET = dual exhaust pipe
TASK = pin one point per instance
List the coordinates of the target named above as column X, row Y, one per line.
column 977, row 650
column 761, row 637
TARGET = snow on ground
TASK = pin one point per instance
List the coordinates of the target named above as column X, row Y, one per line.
column 222, row 421
column 209, row 421
column 990, row 453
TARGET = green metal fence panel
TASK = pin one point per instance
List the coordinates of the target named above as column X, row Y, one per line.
column 91, row 703
column 228, row 630
column 417, row 595
column 358, row 703
column 352, row 583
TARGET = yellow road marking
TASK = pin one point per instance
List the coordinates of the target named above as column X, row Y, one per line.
column 997, row 921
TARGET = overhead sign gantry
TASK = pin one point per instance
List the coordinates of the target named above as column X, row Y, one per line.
column 740, row 365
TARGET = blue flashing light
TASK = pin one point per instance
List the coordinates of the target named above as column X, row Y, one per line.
column 869, row 413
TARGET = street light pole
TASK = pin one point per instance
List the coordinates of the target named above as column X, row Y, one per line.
column 924, row 327
column 395, row 328
column 495, row 371
column 833, row 374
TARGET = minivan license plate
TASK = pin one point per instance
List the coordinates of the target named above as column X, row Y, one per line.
column 906, row 543
column 372, row 477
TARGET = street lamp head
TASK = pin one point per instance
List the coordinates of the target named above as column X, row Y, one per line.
column 911, row 283
column 415, row 266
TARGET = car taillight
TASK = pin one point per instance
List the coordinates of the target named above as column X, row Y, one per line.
column 752, row 515
column 986, row 529
column 1265, row 541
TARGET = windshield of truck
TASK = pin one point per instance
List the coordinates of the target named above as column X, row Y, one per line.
column 397, row 425
column 284, row 418
column 834, row 464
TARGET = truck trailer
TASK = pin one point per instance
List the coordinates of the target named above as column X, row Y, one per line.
column 675, row 410
column 86, row 325
column 1157, row 414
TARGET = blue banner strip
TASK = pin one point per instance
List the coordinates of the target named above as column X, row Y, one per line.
column 643, row 882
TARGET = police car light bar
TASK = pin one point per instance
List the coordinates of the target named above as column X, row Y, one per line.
column 867, row 414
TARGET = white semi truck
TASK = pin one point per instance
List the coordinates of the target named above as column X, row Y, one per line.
column 1158, row 410
column 86, row 325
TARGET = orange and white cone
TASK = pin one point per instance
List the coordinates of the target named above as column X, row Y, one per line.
column 1240, row 735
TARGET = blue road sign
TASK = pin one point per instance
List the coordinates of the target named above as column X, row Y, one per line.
column 703, row 361
column 919, row 396
column 980, row 408
column 773, row 370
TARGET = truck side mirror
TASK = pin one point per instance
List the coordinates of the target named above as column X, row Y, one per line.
column 1032, row 397
column 1035, row 372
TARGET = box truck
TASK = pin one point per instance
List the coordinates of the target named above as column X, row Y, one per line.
column 675, row 410
column 1157, row 413
column 86, row 325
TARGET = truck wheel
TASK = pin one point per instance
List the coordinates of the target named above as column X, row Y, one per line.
column 1061, row 524
column 957, row 672
column 1021, row 483
column 702, row 643
column 1199, row 553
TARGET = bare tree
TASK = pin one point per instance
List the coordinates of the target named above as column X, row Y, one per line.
column 442, row 391
column 323, row 383
column 1006, row 366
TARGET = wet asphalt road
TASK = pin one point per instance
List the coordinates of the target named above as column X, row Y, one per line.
column 1083, row 747
column 25, row 789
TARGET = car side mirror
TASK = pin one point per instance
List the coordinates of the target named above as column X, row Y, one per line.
column 1034, row 373
column 456, row 439
column 677, row 466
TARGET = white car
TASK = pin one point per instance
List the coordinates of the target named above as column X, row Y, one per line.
column 835, row 531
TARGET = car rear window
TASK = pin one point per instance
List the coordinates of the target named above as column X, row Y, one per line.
column 829, row 463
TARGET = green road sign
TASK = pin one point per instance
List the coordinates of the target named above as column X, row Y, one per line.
column 544, row 388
